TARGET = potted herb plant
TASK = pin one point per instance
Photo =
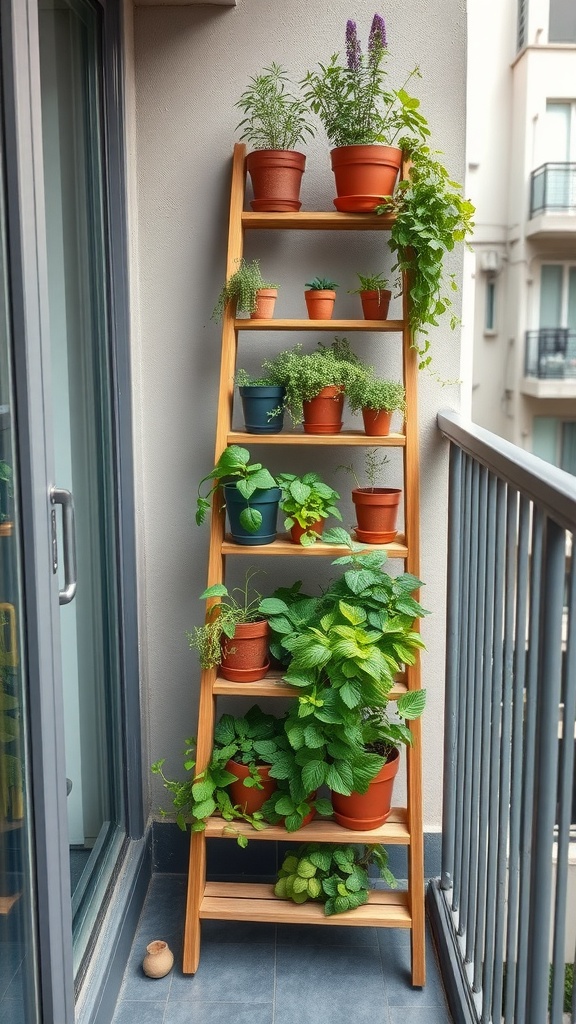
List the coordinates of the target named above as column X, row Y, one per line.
column 320, row 298
column 315, row 384
column 376, row 507
column 333, row 874
column 377, row 398
column 345, row 649
column 235, row 633
column 364, row 119
column 307, row 502
column 6, row 495
column 262, row 403
column 251, row 496
column 374, row 295
column 276, row 122
column 251, row 293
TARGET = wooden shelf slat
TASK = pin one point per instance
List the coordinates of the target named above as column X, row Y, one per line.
column 284, row 546
column 244, row 901
column 273, row 686
column 326, row 220
column 321, row 830
column 347, row 439
column 367, row 326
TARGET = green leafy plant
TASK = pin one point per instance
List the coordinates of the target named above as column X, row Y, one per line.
column 341, row 652
column 354, row 102
column 305, row 374
column 275, row 118
column 374, row 461
column 234, row 464
column 11, row 779
column 364, row 391
column 7, row 482
column 247, row 740
column 370, row 283
column 431, row 217
column 243, row 379
column 242, row 286
column 222, row 618
column 306, row 500
column 335, row 875
column 322, row 284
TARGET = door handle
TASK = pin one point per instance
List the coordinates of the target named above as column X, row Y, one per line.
column 60, row 496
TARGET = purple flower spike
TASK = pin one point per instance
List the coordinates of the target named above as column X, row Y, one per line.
column 352, row 46
column 377, row 37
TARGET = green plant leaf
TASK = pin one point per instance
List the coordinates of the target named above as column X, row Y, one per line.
column 314, row 775
column 204, row 808
column 250, row 519
column 306, row 869
column 411, row 705
column 353, row 613
column 272, row 606
column 339, row 778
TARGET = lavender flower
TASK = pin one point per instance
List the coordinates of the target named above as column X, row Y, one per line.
column 377, row 39
column 353, row 51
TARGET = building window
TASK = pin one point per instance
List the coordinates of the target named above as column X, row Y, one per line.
column 554, row 440
column 522, row 18
column 558, row 295
column 562, row 23
column 489, row 308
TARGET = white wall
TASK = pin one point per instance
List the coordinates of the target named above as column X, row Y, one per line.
column 191, row 65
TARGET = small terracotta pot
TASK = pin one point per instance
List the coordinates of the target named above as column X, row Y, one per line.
column 363, row 172
column 364, row 811
column 377, row 511
column 376, row 422
column 159, row 959
column 265, row 302
column 375, row 304
column 276, row 176
column 245, row 656
column 323, row 414
column 297, row 531
column 320, row 304
column 250, row 799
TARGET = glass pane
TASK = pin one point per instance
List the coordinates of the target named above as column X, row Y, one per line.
column 544, row 438
column 562, row 24
column 18, row 981
column 551, row 295
column 568, row 450
column 572, row 299
column 557, row 131
column 70, row 55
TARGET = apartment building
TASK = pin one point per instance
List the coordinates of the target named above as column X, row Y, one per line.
column 521, row 138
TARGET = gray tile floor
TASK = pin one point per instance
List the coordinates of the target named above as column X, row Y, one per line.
column 275, row 974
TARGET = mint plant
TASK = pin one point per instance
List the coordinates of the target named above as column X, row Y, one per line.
column 234, row 464
column 306, row 500
column 334, row 875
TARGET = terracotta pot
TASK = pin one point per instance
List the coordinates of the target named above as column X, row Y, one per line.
column 265, row 302
column 323, row 414
column 296, row 531
column 245, row 656
column 364, row 173
column 320, row 304
column 159, row 959
column 376, row 422
column 377, row 511
column 361, row 811
column 250, row 799
column 375, row 304
column 276, row 176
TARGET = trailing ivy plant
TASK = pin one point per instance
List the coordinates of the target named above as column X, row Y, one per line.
column 234, row 464
column 335, row 875
column 243, row 286
column 431, row 217
column 275, row 118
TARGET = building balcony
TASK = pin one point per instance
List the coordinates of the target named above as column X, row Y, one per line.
column 550, row 363
column 552, row 201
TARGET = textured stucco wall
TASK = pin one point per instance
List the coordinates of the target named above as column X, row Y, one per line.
column 191, row 64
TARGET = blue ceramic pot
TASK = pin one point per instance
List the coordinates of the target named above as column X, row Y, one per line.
column 258, row 402
column 267, row 504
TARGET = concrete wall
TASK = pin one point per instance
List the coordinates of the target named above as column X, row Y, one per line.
column 191, row 64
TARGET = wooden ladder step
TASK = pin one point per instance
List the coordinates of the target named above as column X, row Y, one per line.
column 274, row 686
column 284, row 546
column 322, row 830
column 244, row 901
column 348, row 438
column 367, row 326
column 322, row 220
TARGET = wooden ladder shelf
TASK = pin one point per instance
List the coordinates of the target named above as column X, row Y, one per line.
column 256, row 902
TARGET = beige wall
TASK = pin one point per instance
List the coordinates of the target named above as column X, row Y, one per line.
column 191, row 64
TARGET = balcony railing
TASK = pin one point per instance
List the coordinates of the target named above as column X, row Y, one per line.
column 550, row 354
column 500, row 907
column 553, row 189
